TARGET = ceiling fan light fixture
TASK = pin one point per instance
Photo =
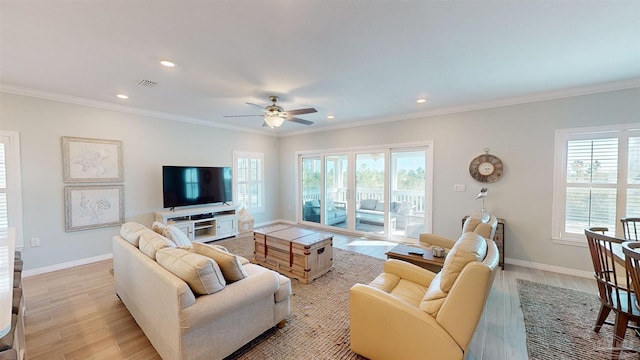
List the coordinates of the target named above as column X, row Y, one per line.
column 273, row 120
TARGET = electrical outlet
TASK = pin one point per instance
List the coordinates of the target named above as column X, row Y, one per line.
column 459, row 187
column 35, row 242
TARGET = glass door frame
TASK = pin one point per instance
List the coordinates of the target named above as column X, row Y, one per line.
column 351, row 153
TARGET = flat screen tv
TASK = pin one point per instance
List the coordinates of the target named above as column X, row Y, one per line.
column 195, row 185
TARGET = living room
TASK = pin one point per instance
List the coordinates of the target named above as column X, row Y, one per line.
column 525, row 192
column 520, row 128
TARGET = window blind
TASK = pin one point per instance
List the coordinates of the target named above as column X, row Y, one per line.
column 592, row 176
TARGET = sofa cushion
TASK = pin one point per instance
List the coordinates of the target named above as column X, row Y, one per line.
column 368, row 204
column 131, row 232
column 201, row 273
column 379, row 206
column 243, row 260
column 404, row 208
column 315, row 206
column 469, row 247
column 151, row 242
column 176, row 235
column 230, row 264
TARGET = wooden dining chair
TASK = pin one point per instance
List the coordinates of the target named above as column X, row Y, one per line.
column 631, row 250
column 630, row 227
column 614, row 286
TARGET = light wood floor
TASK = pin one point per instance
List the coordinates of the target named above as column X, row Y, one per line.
column 74, row 313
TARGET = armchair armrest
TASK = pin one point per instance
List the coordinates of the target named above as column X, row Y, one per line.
column 436, row 240
column 408, row 271
column 340, row 205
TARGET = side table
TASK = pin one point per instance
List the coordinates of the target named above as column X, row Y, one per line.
column 425, row 260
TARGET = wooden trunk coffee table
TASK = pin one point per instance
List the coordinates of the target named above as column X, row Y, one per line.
column 297, row 253
column 426, row 260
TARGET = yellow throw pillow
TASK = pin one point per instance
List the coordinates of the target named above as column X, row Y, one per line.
column 201, row 273
column 229, row 263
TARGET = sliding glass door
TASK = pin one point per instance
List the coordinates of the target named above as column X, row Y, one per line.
column 369, row 200
column 384, row 191
column 407, row 195
column 310, row 178
column 336, row 184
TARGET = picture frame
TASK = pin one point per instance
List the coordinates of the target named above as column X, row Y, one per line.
column 91, row 207
column 91, row 160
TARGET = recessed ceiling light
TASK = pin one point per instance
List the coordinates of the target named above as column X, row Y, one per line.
column 167, row 63
column 330, row 117
column 122, row 96
column 421, row 101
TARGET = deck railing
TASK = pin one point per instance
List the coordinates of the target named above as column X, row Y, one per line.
column 340, row 194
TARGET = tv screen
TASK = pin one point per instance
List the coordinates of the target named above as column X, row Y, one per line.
column 195, row 185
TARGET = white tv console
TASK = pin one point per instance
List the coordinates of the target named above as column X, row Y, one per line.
column 203, row 224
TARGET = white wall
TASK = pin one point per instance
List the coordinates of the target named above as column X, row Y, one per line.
column 522, row 136
column 148, row 143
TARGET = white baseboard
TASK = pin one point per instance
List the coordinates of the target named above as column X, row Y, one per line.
column 552, row 268
column 85, row 261
column 510, row 261
column 66, row 265
column 278, row 221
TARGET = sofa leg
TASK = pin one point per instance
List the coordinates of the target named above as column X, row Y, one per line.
column 281, row 324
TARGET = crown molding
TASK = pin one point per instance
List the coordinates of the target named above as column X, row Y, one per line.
column 538, row 97
column 519, row 100
column 17, row 90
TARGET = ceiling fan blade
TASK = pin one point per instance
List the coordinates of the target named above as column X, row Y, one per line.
column 301, row 111
column 299, row 121
column 255, row 105
column 241, row 115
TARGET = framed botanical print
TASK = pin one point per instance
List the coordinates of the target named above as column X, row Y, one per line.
column 91, row 160
column 90, row 207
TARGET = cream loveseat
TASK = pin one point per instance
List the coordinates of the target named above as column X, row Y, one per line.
column 411, row 313
column 179, row 323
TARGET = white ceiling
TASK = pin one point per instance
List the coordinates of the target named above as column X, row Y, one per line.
column 363, row 61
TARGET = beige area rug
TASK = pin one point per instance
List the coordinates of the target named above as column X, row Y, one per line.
column 318, row 327
column 559, row 324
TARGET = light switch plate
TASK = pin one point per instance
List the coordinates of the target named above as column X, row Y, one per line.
column 459, row 187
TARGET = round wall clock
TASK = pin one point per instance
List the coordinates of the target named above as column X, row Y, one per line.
column 486, row 168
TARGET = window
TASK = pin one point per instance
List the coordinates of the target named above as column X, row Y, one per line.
column 10, row 193
column 249, row 180
column 597, row 179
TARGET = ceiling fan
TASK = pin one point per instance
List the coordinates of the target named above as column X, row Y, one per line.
column 274, row 115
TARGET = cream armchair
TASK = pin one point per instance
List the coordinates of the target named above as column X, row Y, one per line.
column 411, row 313
column 482, row 224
